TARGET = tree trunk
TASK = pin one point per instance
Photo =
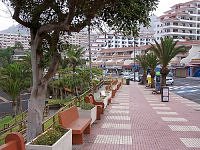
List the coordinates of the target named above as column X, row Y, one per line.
column 164, row 72
column 61, row 94
column 35, row 111
column 144, row 77
column 38, row 94
column 53, row 95
column 19, row 105
column 152, row 73
column 14, row 107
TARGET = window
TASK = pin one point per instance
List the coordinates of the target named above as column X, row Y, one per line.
column 175, row 23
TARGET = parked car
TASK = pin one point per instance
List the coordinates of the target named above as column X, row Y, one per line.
column 132, row 77
column 169, row 80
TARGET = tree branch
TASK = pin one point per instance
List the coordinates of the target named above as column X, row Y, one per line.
column 16, row 17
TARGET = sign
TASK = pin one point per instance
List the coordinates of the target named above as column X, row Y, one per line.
column 165, row 94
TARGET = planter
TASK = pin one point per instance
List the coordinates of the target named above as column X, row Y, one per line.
column 89, row 114
column 113, row 93
column 105, row 101
column 64, row 143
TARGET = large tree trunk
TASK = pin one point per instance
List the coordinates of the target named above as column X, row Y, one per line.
column 35, row 111
column 38, row 94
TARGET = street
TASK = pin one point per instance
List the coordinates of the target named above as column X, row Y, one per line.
column 187, row 87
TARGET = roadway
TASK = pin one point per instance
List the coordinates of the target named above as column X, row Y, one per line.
column 188, row 88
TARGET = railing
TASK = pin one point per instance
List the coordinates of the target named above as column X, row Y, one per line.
column 20, row 126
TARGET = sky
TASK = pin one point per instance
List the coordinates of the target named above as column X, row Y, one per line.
column 6, row 20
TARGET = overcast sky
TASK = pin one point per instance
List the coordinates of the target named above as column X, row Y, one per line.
column 6, row 21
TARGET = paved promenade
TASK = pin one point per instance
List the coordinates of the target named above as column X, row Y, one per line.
column 138, row 120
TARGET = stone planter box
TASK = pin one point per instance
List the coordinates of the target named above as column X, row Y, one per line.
column 89, row 114
column 64, row 143
column 105, row 101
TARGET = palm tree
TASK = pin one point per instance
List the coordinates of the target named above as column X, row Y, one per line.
column 74, row 58
column 165, row 51
column 14, row 79
column 152, row 62
column 143, row 63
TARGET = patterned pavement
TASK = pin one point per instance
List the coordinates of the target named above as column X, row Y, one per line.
column 138, row 120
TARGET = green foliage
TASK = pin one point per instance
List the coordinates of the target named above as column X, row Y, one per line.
column 59, row 101
column 97, row 71
column 142, row 60
column 86, row 106
column 118, row 14
column 95, row 82
column 13, row 79
column 151, row 60
column 5, row 120
column 74, row 56
column 50, row 136
column 167, row 50
column 6, row 56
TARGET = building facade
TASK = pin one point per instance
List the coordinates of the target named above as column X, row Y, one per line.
column 9, row 40
column 181, row 22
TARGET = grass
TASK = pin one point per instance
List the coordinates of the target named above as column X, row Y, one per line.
column 5, row 120
column 17, row 128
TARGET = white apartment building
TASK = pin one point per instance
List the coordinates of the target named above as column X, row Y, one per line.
column 113, row 41
column 8, row 40
column 181, row 22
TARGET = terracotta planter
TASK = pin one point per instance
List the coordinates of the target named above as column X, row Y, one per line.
column 89, row 114
column 64, row 143
column 99, row 112
column 113, row 93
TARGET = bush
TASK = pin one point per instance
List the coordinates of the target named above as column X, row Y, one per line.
column 87, row 106
column 50, row 136
column 59, row 101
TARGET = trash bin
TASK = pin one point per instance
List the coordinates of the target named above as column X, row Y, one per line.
column 127, row 81
column 164, row 94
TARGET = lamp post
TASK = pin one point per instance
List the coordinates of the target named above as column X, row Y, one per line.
column 134, row 58
column 90, row 57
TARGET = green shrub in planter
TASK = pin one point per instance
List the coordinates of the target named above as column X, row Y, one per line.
column 87, row 106
column 50, row 136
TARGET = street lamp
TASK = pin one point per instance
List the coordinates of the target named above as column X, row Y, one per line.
column 134, row 59
column 90, row 57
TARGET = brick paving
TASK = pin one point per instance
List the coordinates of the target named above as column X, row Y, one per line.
column 137, row 120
